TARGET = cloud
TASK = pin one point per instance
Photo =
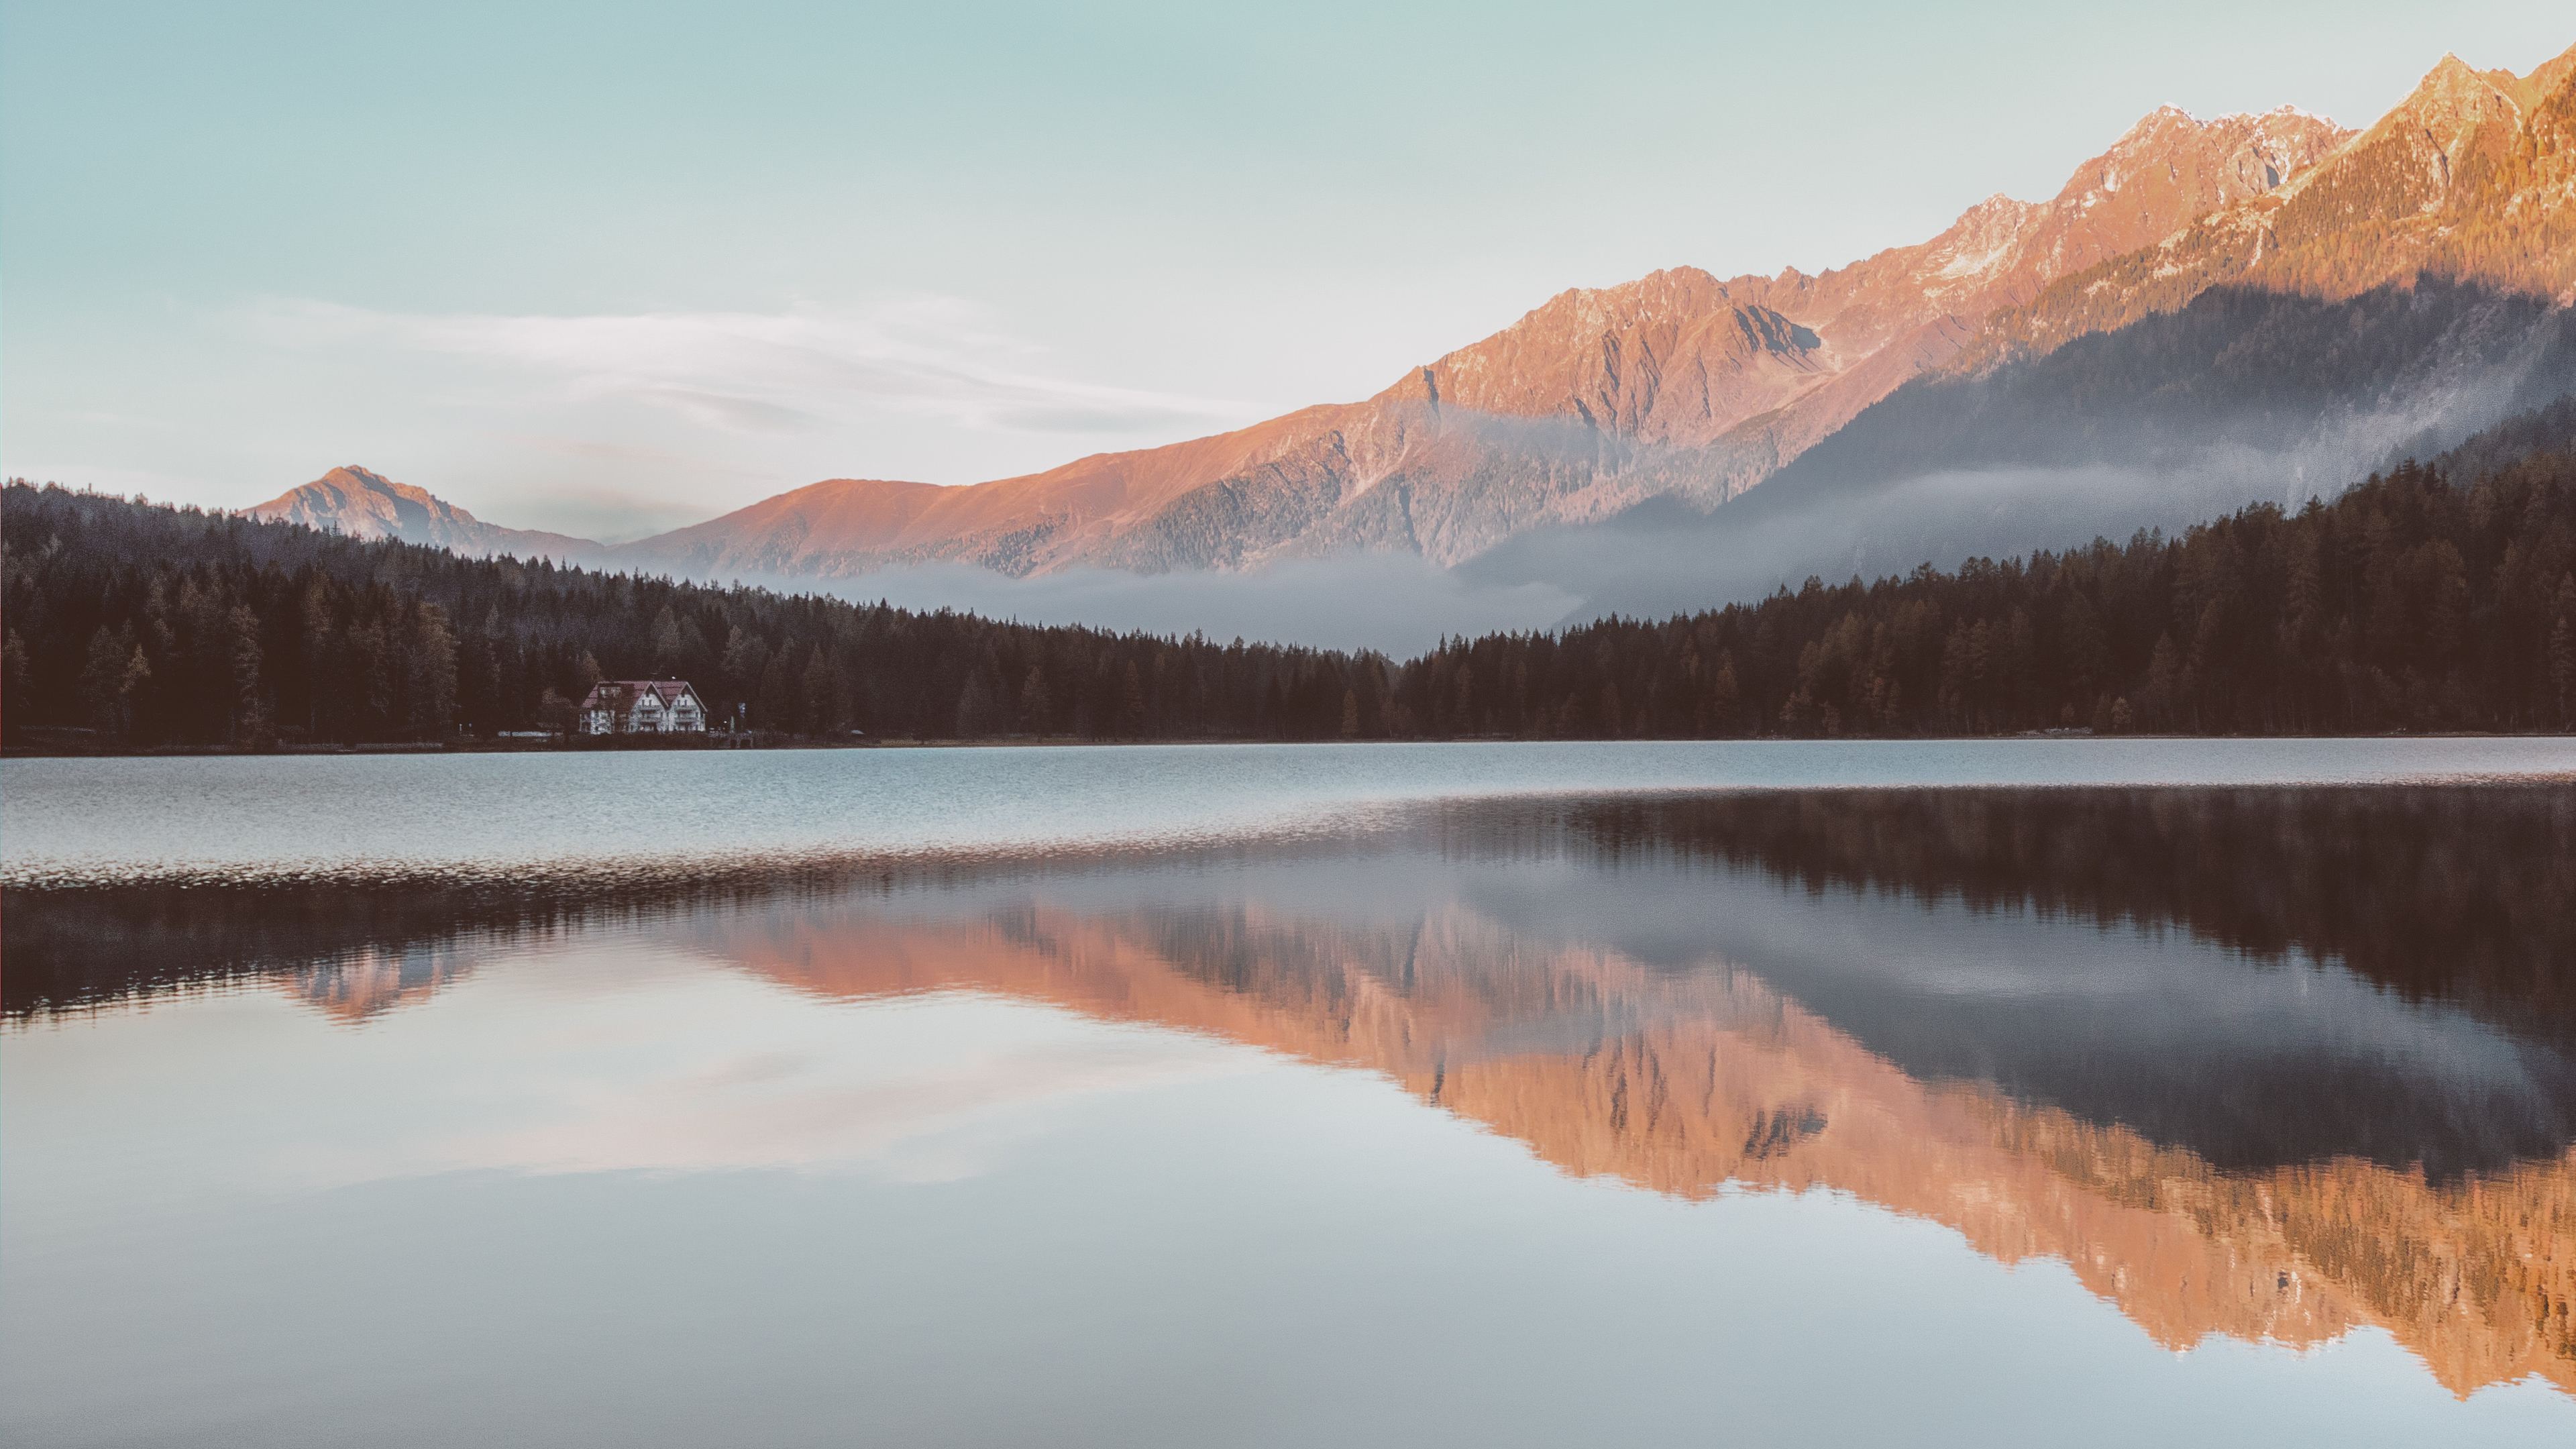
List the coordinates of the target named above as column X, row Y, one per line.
column 753, row 372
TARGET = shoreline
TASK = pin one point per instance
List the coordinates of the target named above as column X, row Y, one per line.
column 718, row 743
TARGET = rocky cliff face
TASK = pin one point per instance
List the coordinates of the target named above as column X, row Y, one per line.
column 2471, row 178
column 361, row 504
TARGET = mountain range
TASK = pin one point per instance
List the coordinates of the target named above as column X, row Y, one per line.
column 2208, row 312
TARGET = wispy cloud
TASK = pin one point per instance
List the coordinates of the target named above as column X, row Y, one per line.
column 751, row 372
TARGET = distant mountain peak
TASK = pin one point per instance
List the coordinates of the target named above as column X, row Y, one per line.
column 368, row 477
column 2223, row 160
column 1672, row 357
column 2452, row 100
column 362, row 503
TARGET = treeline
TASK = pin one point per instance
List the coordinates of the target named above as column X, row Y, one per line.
column 2434, row 597
column 154, row 625
column 2409, row 603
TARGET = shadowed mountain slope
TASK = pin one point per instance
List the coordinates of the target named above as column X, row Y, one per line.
column 2243, row 396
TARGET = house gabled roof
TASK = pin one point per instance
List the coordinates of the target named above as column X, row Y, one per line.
column 619, row 694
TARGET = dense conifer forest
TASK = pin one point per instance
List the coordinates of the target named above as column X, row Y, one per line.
column 2437, row 596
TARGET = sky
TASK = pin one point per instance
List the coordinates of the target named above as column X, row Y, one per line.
column 610, row 268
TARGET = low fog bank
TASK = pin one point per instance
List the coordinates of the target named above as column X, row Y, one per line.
column 1664, row 557
column 1661, row 558
column 2241, row 397
column 1923, row 488
column 1397, row 604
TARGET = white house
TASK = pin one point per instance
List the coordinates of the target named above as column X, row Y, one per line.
column 642, row 707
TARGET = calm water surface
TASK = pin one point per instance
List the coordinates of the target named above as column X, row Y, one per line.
column 2218, row 1093
column 503, row 814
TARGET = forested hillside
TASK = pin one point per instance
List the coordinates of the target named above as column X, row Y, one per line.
column 155, row 625
column 2438, row 596
column 2435, row 597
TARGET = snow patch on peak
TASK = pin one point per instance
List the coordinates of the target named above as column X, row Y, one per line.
column 2161, row 115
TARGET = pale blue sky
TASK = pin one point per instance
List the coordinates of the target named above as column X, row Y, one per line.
column 607, row 267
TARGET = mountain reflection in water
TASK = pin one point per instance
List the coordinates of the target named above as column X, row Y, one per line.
column 2269, row 1064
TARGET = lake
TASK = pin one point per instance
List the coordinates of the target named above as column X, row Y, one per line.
column 2016, row 1092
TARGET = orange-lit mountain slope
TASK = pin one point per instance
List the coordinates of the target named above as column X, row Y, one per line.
column 2472, row 178
column 1676, row 383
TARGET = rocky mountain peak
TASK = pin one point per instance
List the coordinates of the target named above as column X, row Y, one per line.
column 2450, row 106
column 2173, row 160
column 2548, row 80
column 2471, row 177
column 365, row 480
column 361, row 503
column 1674, row 356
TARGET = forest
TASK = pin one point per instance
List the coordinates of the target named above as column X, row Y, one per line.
column 2433, row 596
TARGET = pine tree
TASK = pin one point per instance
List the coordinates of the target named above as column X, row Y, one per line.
column 1131, row 705
column 1037, row 715
column 975, row 707
column 103, row 684
column 249, row 722
column 2562, row 651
